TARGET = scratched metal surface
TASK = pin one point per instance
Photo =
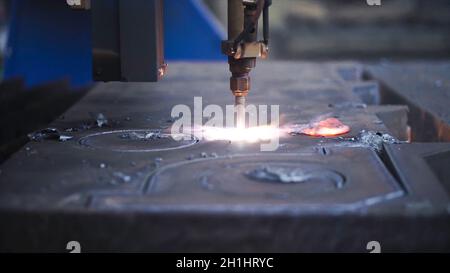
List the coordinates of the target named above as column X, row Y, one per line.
column 98, row 183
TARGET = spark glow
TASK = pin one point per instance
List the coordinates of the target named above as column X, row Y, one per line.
column 251, row 134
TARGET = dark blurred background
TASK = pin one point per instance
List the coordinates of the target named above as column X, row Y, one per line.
column 350, row 29
column 336, row 29
column 4, row 5
column 315, row 30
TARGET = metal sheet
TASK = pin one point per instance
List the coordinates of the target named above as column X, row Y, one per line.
column 186, row 199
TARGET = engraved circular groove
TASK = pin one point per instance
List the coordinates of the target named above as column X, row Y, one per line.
column 137, row 141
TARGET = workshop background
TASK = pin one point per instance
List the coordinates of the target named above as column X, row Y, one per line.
column 300, row 30
column 333, row 29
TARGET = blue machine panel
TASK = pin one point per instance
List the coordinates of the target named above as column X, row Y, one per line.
column 191, row 31
column 48, row 41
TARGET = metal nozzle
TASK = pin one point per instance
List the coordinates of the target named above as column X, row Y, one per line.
column 242, row 46
column 240, row 16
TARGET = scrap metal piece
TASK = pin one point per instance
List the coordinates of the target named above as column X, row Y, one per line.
column 100, row 119
column 48, row 134
column 370, row 139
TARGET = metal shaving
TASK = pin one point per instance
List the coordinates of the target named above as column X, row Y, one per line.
column 48, row 134
column 150, row 135
column 279, row 175
column 100, row 119
column 371, row 139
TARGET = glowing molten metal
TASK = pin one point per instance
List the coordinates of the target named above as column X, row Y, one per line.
column 326, row 127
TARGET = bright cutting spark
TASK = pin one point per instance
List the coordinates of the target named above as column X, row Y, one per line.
column 251, row 135
column 239, row 106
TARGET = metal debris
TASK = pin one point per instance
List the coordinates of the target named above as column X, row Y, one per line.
column 294, row 175
column 204, row 155
column 371, row 139
column 150, row 135
column 82, row 127
column 123, row 177
column 65, row 138
column 100, row 119
column 48, row 134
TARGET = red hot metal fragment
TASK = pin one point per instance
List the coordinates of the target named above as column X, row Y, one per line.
column 325, row 128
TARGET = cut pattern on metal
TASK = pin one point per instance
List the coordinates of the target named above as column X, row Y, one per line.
column 137, row 141
column 225, row 180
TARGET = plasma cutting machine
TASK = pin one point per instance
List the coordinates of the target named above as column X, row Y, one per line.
column 124, row 52
column 120, row 40
column 242, row 46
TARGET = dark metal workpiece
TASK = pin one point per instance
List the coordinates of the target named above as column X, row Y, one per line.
column 224, row 184
column 415, row 164
column 425, row 89
column 201, row 197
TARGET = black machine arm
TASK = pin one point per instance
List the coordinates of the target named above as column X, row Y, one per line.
column 242, row 46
